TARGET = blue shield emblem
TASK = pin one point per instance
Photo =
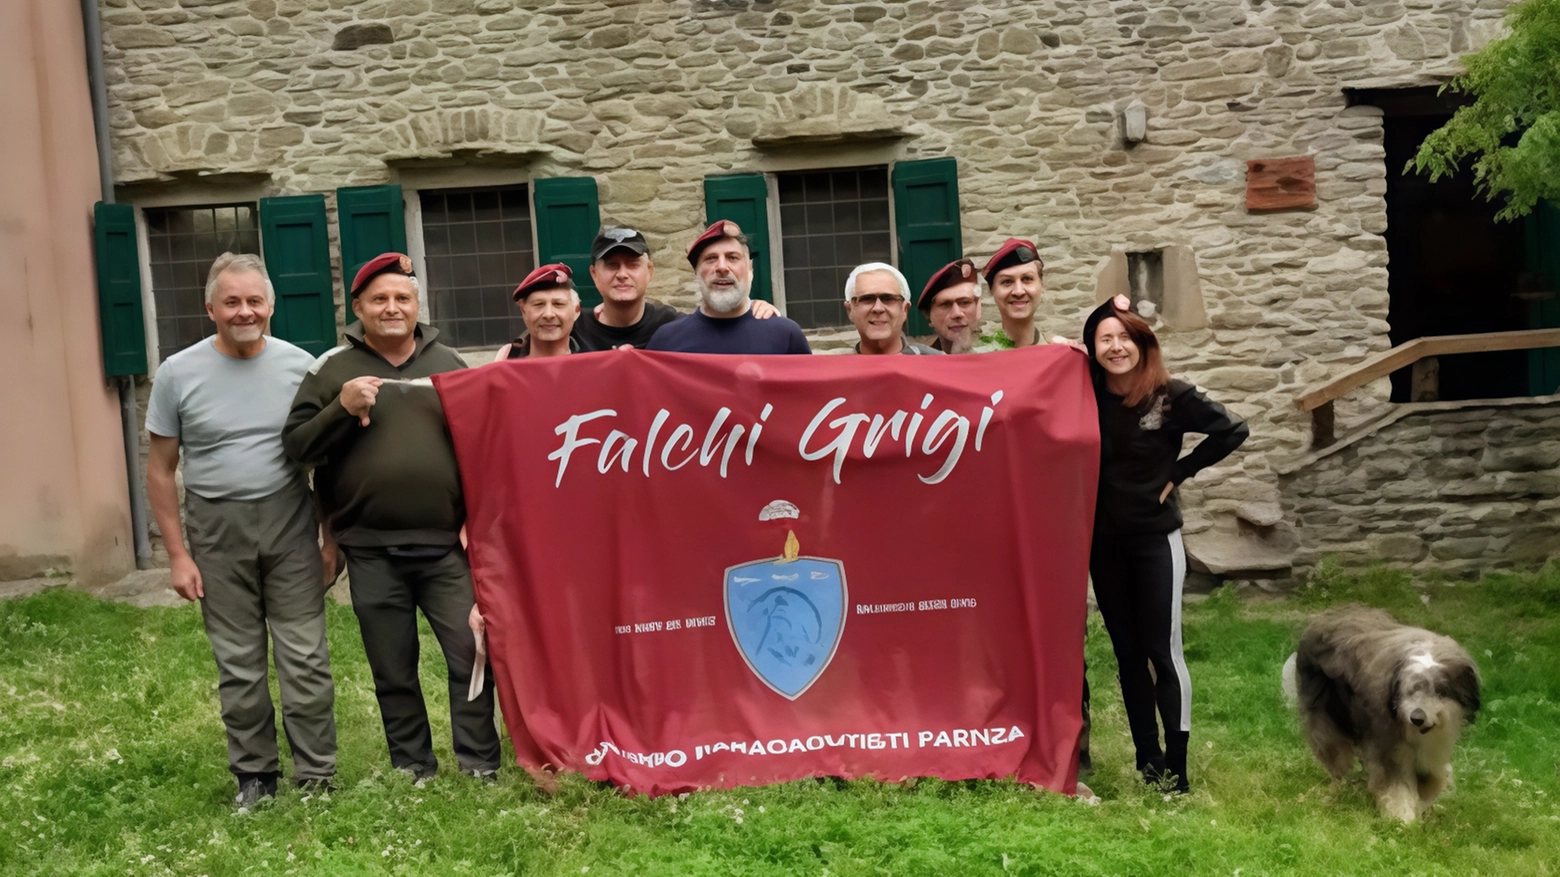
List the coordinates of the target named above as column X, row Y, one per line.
column 787, row 618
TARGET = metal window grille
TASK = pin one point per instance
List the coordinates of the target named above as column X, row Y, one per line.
column 477, row 246
column 182, row 242
column 830, row 222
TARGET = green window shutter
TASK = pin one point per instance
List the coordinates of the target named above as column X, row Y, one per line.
column 926, row 219
column 297, row 256
column 567, row 219
column 1543, row 261
column 372, row 221
column 119, row 290
column 743, row 199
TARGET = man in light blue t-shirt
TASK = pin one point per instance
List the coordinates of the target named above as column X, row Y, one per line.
column 254, row 558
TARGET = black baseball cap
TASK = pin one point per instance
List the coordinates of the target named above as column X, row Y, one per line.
column 617, row 238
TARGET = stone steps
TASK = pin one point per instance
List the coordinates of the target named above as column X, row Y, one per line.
column 1263, row 556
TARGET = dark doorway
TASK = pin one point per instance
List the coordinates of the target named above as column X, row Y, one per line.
column 1453, row 269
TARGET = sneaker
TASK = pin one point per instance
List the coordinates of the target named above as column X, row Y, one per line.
column 254, row 789
column 485, row 774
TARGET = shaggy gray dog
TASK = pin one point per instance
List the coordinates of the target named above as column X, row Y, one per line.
column 1396, row 696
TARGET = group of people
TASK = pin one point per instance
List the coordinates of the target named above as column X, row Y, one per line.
column 253, row 413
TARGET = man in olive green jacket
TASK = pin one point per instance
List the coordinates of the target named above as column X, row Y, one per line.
column 366, row 417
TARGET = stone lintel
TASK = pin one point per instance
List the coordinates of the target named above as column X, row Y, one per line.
column 182, row 185
column 821, row 134
column 481, row 156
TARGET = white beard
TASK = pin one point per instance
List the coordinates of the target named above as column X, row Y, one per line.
column 725, row 301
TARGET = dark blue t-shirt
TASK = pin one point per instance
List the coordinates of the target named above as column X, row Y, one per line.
column 697, row 333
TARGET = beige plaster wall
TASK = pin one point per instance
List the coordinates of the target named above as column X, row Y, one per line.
column 63, row 491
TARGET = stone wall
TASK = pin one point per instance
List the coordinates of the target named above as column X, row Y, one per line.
column 1452, row 486
column 650, row 97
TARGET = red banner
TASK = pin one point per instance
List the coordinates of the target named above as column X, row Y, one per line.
column 711, row 571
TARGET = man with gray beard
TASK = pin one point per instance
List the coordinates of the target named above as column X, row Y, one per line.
column 724, row 322
column 254, row 559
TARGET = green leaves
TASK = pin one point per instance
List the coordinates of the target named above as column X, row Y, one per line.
column 1511, row 132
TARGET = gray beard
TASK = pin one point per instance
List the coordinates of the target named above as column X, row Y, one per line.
column 719, row 302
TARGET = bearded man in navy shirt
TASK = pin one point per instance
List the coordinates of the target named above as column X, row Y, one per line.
column 724, row 322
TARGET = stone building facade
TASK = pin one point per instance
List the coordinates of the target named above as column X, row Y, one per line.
column 1448, row 486
column 214, row 101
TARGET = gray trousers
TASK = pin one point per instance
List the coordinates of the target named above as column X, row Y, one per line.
column 387, row 591
column 259, row 563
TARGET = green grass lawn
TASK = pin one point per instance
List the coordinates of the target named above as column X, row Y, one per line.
column 112, row 761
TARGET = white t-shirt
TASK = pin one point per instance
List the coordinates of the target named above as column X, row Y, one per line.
column 228, row 414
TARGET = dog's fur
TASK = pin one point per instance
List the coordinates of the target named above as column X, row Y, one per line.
column 1395, row 695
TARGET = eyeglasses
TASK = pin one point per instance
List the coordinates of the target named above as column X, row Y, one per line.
column 889, row 299
column 963, row 304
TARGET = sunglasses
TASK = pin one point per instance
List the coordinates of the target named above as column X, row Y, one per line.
column 887, row 298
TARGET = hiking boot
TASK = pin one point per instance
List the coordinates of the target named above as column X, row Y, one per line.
column 254, row 788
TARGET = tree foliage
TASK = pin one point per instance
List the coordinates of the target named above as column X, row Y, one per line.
column 1512, row 129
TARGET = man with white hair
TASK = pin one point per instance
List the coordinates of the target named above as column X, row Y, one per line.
column 877, row 300
column 386, row 470
column 724, row 322
column 254, row 559
column 549, row 305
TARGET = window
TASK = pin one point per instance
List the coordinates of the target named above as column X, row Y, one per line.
column 182, row 242
column 830, row 222
column 478, row 247
column 835, row 219
column 1146, row 277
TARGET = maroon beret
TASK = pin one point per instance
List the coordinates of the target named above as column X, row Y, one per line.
column 720, row 228
column 386, row 263
column 955, row 272
column 546, row 277
column 1014, row 251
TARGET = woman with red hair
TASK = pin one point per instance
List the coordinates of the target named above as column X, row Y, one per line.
column 1137, row 561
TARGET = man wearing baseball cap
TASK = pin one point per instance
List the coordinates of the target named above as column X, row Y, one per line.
column 724, row 322
column 385, row 468
column 877, row 300
column 550, row 306
column 1013, row 274
column 622, row 269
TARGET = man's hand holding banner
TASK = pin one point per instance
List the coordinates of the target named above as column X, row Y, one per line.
column 711, row 571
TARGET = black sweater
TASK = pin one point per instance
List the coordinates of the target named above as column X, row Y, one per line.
column 395, row 481
column 1139, row 448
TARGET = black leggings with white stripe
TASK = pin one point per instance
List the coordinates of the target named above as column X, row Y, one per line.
column 1137, row 583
